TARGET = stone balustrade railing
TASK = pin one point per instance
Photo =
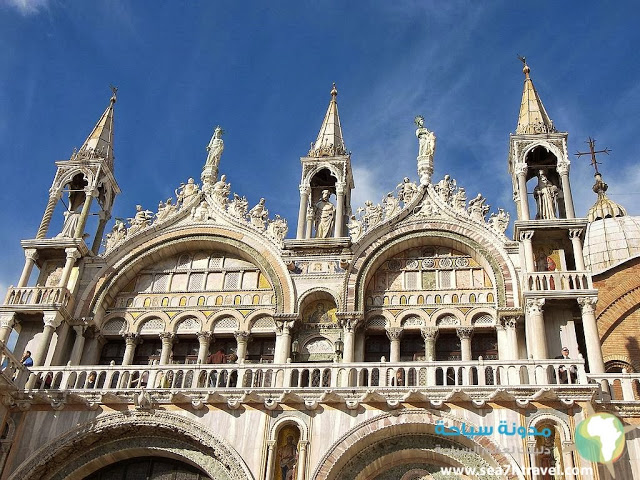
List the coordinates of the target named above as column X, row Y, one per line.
column 31, row 296
column 623, row 387
column 559, row 281
column 11, row 368
column 308, row 376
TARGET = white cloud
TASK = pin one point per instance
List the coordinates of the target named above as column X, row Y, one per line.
column 27, row 7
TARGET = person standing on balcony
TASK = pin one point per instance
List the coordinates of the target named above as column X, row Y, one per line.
column 26, row 359
column 216, row 358
column 563, row 377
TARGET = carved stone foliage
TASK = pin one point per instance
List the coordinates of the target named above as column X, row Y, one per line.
column 391, row 205
column 454, row 198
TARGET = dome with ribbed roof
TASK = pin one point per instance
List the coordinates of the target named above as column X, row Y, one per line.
column 612, row 236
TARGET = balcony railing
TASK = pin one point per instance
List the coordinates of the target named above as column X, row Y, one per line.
column 558, row 281
column 32, row 296
column 293, row 376
column 623, row 387
column 11, row 369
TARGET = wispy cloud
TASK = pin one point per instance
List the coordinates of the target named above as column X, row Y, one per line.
column 26, row 7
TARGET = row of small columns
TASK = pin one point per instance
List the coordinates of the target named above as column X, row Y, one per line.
column 306, row 215
column 563, row 169
column 167, row 338
column 575, row 235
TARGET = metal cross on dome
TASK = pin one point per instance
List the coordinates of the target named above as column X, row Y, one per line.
column 592, row 151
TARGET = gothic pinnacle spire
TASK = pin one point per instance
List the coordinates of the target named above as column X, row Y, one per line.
column 99, row 143
column 533, row 117
column 329, row 142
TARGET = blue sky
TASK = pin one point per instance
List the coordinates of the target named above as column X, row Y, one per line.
column 263, row 71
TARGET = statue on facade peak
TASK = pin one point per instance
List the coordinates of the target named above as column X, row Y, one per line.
column 221, row 190
column 426, row 138
column 391, row 205
column 187, row 192
column 215, row 147
column 407, row 190
column 239, row 206
column 258, row 215
column 477, row 209
column 277, row 228
column 165, row 210
column 499, row 221
column 141, row 220
column 459, row 201
column 445, row 188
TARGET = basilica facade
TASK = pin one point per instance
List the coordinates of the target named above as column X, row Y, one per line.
column 394, row 340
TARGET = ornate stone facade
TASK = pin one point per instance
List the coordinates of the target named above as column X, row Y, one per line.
column 355, row 348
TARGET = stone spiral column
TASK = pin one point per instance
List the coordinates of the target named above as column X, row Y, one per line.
column 84, row 215
column 48, row 213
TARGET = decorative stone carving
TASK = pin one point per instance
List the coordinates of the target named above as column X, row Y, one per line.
column 477, row 209
column 324, row 213
column 426, row 150
column 394, row 333
column 428, row 209
column 464, row 332
column 587, row 304
column 165, row 210
column 140, row 221
column 372, row 214
column 187, row 193
column 500, row 221
column 546, row 195
column 355, row 228
column 215, row 148
column 407, row 190
column 202, row 212
column 563, row 167
column 429, row 333
column 391, row 206
column 258, row 215
column 445, row 189
column 117, row 235
column 459, row 201
column 239, row 206
column 221, row 190
column 277, row 229
column 143, row 400
column 534, row 306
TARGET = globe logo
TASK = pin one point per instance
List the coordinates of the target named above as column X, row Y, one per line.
column 600, row 438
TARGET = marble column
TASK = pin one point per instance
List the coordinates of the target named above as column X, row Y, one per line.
column 525, row 238
column 521, row 173
column 242, row 338
column 591, row 335
column 283, row 341
column 52, row 321
column 310, row 217
column 204, row 340
column 575, row 234
column 348, row 329
column 302, row 459
column 567, row 459
column 131, row 340
column 511, row 328
column 339, row 220
column 167, row 344
column 464, row 334
column 31, row 255
column 7, row 321
column 271, row 458
column 429, row 334
column 563, row 170
column 72, row 255
column 394, row 334
column 535, row 320
column 78, row 345
column 302, row 213
column 48, row 213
